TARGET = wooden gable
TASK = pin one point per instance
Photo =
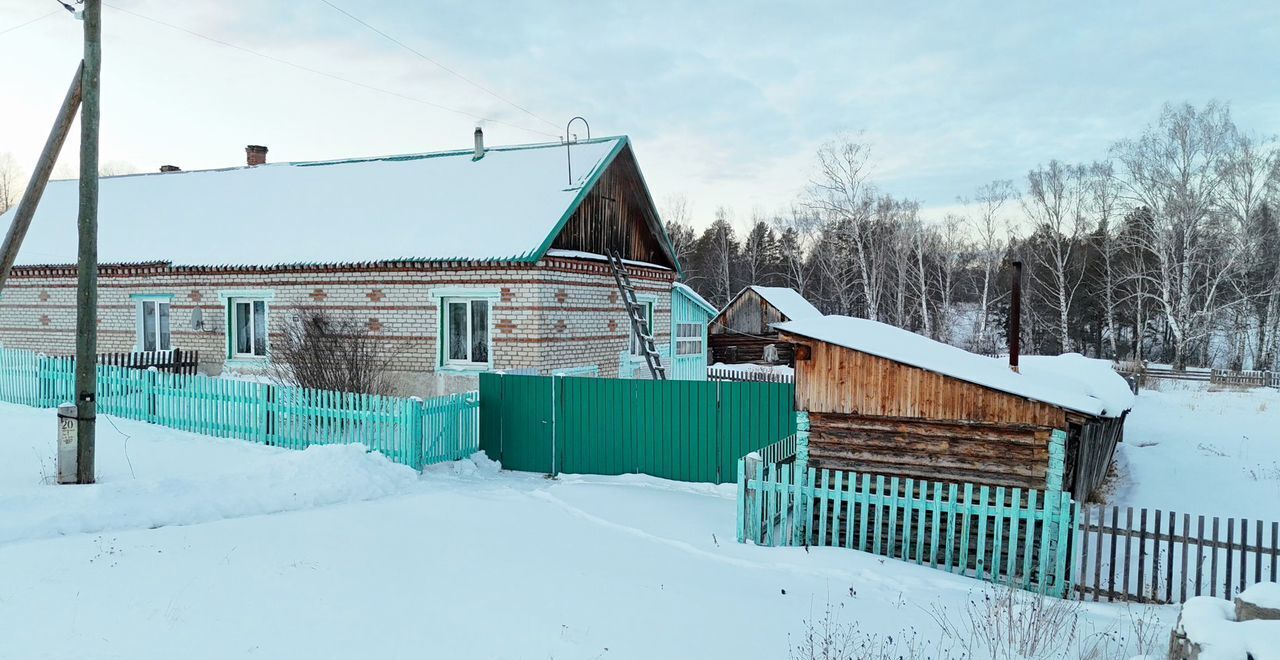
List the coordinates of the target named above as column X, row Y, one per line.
column 748, row 314
column 835, row 379
column 618, row 214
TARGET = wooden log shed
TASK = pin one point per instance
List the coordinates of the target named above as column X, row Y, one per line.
column 742, row 330
column 887, row 401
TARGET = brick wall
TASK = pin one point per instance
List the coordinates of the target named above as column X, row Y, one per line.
column 558, row 313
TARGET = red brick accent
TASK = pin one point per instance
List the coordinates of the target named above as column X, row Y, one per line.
column 561, row 296
column 318, row 295
column 613, row 296
column 44, row 319
column 376, row 295
column 505, row 326
column 507, row 294
column 613, row 325
column 561, row 326
column 375, row 325
column 44, row 296
column 194, row 296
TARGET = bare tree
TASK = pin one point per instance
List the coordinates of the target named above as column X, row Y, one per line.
column 990, row 226
column 1176, row 170
column 1103, row 201
column 1055, row 204
column 844, row 197
column 796, row 230
column 340, row 354
column 10, row 181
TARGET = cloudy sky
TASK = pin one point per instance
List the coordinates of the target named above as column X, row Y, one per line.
column 726, row 101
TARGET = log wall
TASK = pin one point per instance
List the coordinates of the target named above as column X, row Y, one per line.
column 1014, row 455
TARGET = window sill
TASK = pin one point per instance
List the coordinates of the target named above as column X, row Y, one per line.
column 460, row 370
column 247, row 361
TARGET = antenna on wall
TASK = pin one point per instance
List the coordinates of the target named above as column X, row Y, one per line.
column 570, row 139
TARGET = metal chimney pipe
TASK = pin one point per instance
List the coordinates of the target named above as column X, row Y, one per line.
column 479, row 145
column 1015, row 315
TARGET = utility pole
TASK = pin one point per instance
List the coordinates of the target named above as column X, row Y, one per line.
column 87, row 283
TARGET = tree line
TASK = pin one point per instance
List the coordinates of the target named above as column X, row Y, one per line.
column 1165, row 249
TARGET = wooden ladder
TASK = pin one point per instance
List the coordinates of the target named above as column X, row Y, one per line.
column 639, row 324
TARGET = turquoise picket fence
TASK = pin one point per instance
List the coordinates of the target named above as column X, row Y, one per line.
column 1003, row 535
column 410, row 431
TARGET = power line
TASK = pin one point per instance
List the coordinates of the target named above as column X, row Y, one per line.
column 326, row 74
column 34, row 20
column 422, row 55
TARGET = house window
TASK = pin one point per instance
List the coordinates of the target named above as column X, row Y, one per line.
column 153, row 324
column 688, row 338
column 637, row 344
column 248, row 336
column 466, row 332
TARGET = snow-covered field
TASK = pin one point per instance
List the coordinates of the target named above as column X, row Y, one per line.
column 200, row 548
column 1197, row 449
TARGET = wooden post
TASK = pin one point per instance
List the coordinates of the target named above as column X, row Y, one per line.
column 40, row 177
column 87, row 283
column 1015, row 316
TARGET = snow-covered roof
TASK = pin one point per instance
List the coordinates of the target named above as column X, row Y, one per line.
column 435, row 206
column 791, row 304
column 1069, row 381
column 697, row 299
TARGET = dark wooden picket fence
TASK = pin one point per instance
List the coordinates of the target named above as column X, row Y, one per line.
column 1154, row 556
column 1245, row 378
column 736, row 375
column 176, row 361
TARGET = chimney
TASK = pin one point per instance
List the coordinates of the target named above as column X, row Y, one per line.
column 479, row 145
column 1015, row 315
column 255, row 154
column 170, row 168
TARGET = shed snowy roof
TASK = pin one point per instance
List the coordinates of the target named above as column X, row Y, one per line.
column 435, row 206
column 791, row 304
column 1069, row 381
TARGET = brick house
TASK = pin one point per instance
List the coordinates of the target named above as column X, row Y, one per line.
column 464, row 261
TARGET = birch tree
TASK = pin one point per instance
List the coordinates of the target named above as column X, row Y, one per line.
column 1176, row 170
column 990, row 226
column 1055, row 205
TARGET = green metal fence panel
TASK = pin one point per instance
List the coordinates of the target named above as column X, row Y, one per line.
column 682, row 430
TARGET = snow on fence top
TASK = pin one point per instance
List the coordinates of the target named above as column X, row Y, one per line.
column 435, row 206
column 791, row 304
column 1069, row 381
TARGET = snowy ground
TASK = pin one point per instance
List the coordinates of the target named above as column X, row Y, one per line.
column 208, row 548
column 1197, row 449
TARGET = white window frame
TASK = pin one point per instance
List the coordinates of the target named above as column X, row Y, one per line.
column 445, row 295
column 229, row 300
column 697, row 339
column 650, row 303
column 142, row 300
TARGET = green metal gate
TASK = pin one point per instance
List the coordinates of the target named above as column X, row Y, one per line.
column 682, row 430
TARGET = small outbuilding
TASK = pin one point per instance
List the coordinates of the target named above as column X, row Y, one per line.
column 885, row 400
column 743, row 330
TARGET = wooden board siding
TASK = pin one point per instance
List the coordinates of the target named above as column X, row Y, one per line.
column 747, row 314
column 617, row 214
column 992, row 454
column 835, row 379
